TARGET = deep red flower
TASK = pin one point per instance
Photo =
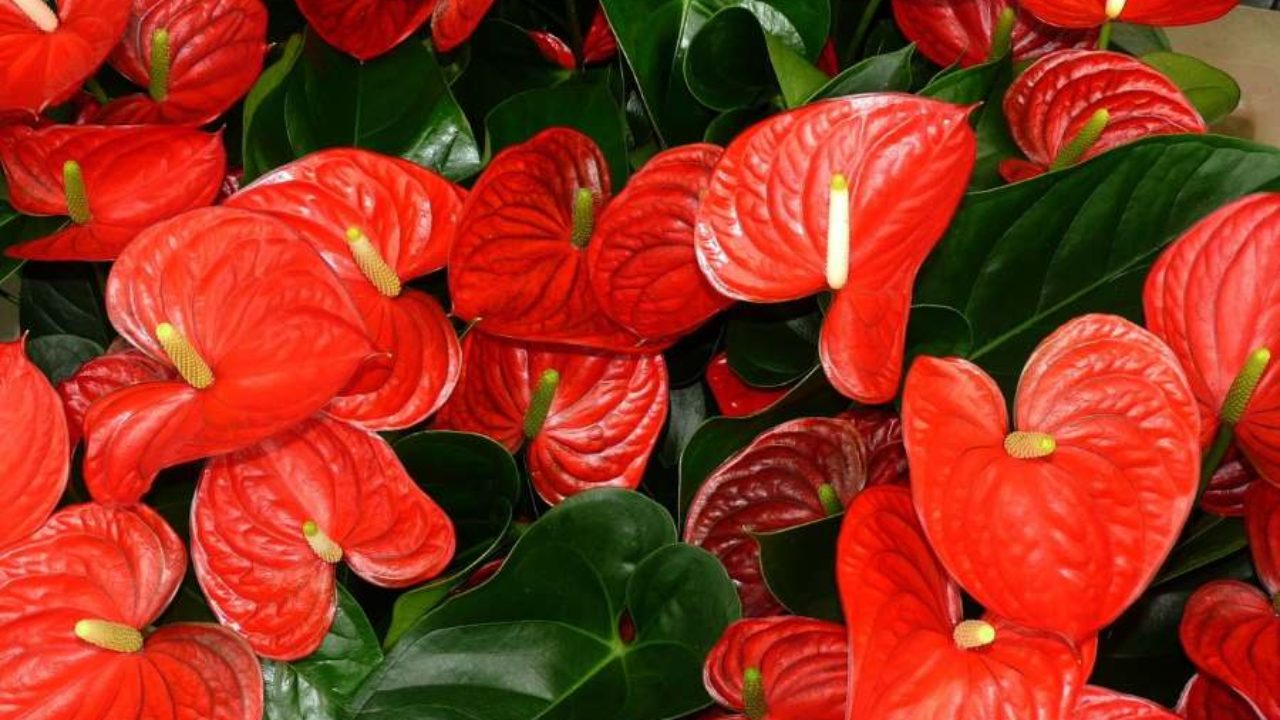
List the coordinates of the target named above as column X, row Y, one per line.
column 104, row 375
column 780, row 668
column 1207, row 699
column 379, row 222
column 35, row 453
column 366, row 29
column 795, row 473
column 1096, row 703
column 828, row 61
column 881, row 432
column 554, row 49
column 733, row 396
column 76, row 604
column 1225, row 493
column 454, row 20
column 195, row 57
column 1092, row 13
column 912, row 653
column 271, row 522
column 951, row 32
column 598, row 46
column 1211, row 298
column 1061, row 523
column 1073, row 105
column 589, row 419
column 260, row 330
column 112, row 182
column 898, row 165
column 46, row 57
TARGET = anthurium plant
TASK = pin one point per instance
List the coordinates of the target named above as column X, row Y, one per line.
column 633, row 360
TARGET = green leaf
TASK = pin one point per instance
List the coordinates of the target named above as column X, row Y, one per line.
column 15, row 228
column 798, row 78
column 1214, row 93
column 64, row 299
column 1021, row 260
column 1205, row 541
column 1138, row 39
column 728, row 125
column 59, row 356
column 890, row 72
column 799, row 566
column 774, row 345
column 265, row 142
column 476, row 482
column 689, row 408
column 542, row 638
column 985, row 84
column 503, row 62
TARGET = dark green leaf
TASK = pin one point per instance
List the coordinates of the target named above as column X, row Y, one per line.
column 1214, row 93
column 1206, row 540
column 727, row 125
column 891, row 72
column 15, row 228
column 504, row 62
column 59, row 356
column 65, row 299
column 985, row 84
column 1138, row 39
column 799, row 566
column 690, row 406
column 265, row 144
column 774, row 345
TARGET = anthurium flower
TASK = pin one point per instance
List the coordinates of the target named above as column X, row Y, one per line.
column 196, row 58
column 77, row 602
column 971, row 32
column 911, row 652
column 1062, row 520
column 1207, row 699
column 365, row 29
column 35, row 452
column 271, row 522
column 104, row 375
column 1210, row 297
column 1092, row 13
column 454, row 20
column 598, row 46
column 780, row 668
column 1095, row 703
column 848, row 194
column 881, row 432
column 1073, row 105
column 260, row 331
column 733, row 396
column 379, row 222
column 45, row 56
column 589, row 419
column 1226, row 490
column 112, row 182
column 795, row 473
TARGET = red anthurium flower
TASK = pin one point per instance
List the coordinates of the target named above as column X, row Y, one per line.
column 1095, row 703
column 1073, row 105
column 35, row 453
column 104, row 375
column 365, row 29
column 270, row 522
column 598, row 46
column 111, row 181
column 1230, row 482
column 454, row 20
column 795, row 473
column 881, row 432
column 379, row 222
column 590, row 419
column 45, row 56
column 1061, row 523
column 971, row 32
column 734, row 397
column 1092, row 13
column 849, row 194
column 912, row 653
column 554, row 49
column 76, row 602
column 1211, row 298
column 258, row 328
column 195, row 57
column 780, row 668
column 1207, row 699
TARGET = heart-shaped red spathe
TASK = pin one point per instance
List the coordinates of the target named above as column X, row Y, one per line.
column 598, row 46
column 802, row 666
column 1207, row 699
column 903, row 612
column 1067, row 540
column 1092, row 13
column 39, row 69
column 762, row 226
column 453, row 21
column 249, row 299
column 1050, row 105
column 214, row 54
column 733, row 396
column 1231, row 631
column 1233, row 478
column 772, row 484
column 406, row 215
column 1212, row 298
column 122, row 566
column 365, row 29
column 600, row 428
column 265, row 575
column 641, row 259
column 132, row 178
column 951, row 32
column 1096, row 703
column 35, row 452
column 1262, row 524
column 102, row 376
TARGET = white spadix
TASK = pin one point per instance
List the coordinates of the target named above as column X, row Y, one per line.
column 838, row 233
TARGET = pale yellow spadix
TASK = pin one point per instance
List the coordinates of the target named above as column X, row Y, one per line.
column 838, row 233
column 1115, row 8
column 41, row 15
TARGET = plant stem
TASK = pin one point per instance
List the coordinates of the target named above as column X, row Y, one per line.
column 1213, row 458
column 1104, row 36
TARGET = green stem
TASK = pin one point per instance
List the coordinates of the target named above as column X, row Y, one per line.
column 98, row 92
column 1002, row 39
column 584, row 217
column 1083, row 142
column 753, row 703
column 74, row 191
column 1213, row 458
column 830, row 499
column 860, row 34
column 540, row 404
column 160, row 59
column 1104, row 36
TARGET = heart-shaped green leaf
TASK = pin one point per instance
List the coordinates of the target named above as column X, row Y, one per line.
column 774, row 345
column 799, row 566
column 1214, row 93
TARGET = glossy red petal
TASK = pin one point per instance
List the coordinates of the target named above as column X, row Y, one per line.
column 1231, row 631
column 454, row 20
column 1212, row 298
column 734, row 397
column 641, row 260
column 258, row 305
column 365, row 29
column 209, row 672
column 803, row 665
column 1038, row 540
column 134, row 177
column 1164, row 13
column 1050, row 103
column 39, row 69
column 773, row 484
column 1016, row 170
column 1262, row 521
column 881, row 432
column 951, row 32
column 603, row 422
column 762, row 226
column 35, row 452
column 554, row 49
column 1096, row 703
column 600, row 45
column 1207, row 699
column 102, row 376
column 254, row 561
column 1227, row 488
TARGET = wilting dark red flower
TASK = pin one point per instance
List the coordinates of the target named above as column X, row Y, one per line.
column 1074, row 105
column 912, row 655
column 102, row 376
column 598, row 46
column 76, row 604
column 1061, row 521
column 589, row 419
column 795, row 473
column 111, row 181
column 780, row 668
column 259, row 329
column 1096, row 703
column 1207, row 699
column 882, row 175
column 35, row 453
column 271, row 522
column 734, row 397
column 379, row 222
column 1092, row 13
column 951, row 32
column 881, row 432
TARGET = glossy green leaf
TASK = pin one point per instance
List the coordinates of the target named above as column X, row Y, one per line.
column 15, row 228
column 982, row 86
column 265, row 142
column 64, row 299
column 799, row 566
column 890, row 72
column 774, row 345
column 1206, row 540
column 1138, row 39
column 59, row 356
column 689, row 407
column 503, row 61
column 1214, row 93
column 727, row 125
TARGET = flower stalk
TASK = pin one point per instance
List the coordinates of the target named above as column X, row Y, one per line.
column 1002, row 38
